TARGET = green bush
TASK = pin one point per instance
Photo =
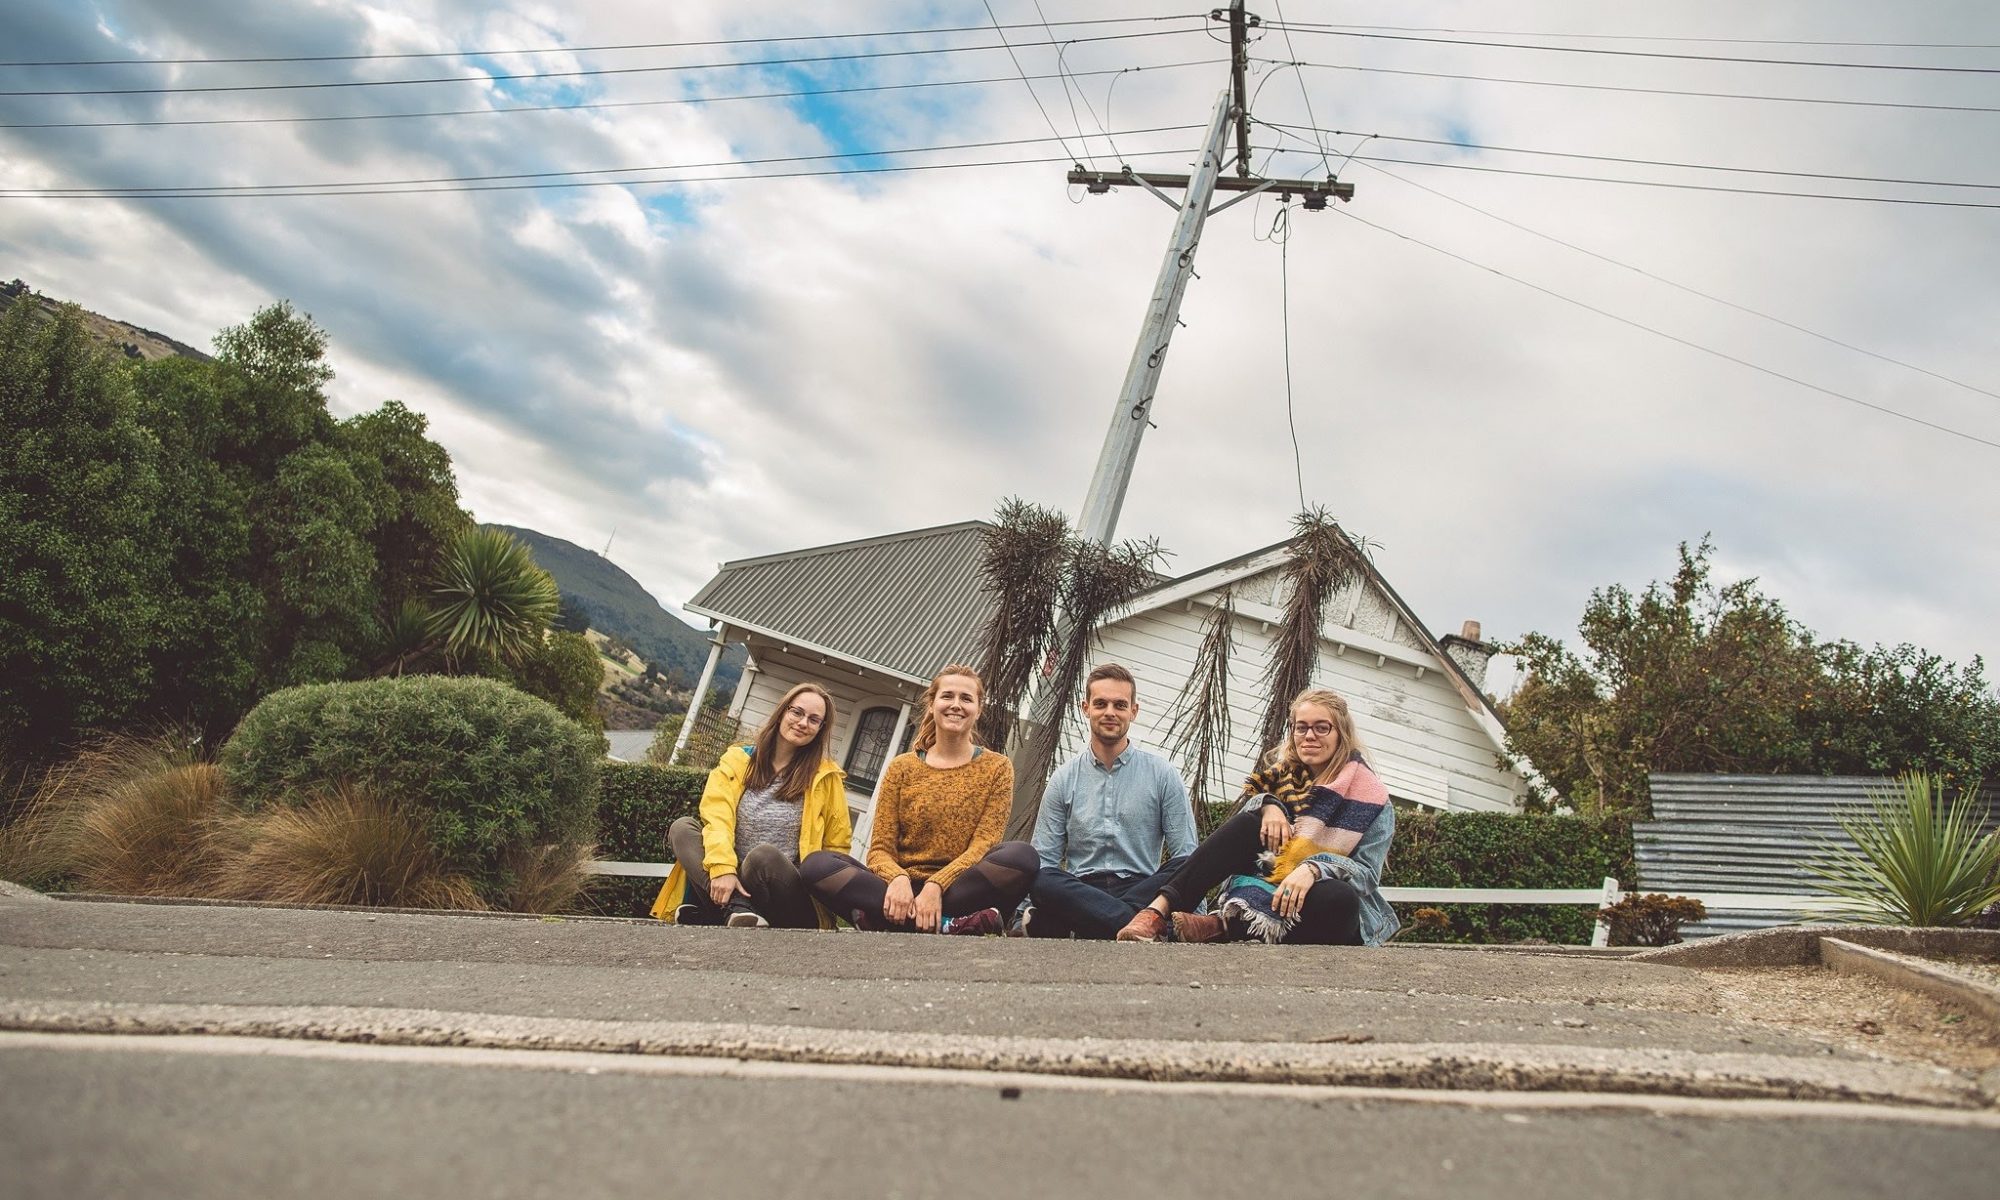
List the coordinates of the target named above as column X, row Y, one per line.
column 494, row 772
column 1502, row 850
column 636, row 803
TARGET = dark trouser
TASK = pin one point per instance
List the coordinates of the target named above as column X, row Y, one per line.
column 770, row 879
column 1332, row 914
column 998, row 880
column 1096, row 905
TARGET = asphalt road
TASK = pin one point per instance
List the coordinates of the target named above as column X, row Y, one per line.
column 108, row 1118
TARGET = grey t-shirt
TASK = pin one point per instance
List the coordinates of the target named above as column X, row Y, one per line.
column 762, row 817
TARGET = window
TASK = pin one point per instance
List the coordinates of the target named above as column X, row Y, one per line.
column 870, row 748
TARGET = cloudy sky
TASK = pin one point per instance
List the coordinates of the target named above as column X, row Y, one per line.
column 1510, row 381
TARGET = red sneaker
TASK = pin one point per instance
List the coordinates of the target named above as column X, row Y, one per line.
column 1148, row 926
column 1198, row 927
column 976, row 924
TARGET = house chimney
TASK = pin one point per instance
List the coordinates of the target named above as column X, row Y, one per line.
column 1469, row 652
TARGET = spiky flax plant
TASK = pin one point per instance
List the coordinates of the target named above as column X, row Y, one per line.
column 1918, row 858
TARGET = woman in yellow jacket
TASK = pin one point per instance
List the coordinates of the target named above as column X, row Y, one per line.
column 767, row 805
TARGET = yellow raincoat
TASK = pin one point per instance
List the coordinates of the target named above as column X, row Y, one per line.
column 823, row 825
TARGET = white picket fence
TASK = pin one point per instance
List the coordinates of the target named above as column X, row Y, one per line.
column 1598, row 897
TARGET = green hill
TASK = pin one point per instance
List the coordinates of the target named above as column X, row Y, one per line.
column 618, row 605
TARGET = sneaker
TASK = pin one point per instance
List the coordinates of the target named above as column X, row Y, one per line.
column 1199, row 927
column 1020, row 926
column 976, row 924
column 742, row 916
column 1148, row 926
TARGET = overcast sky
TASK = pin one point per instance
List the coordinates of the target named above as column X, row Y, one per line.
column 731, row 367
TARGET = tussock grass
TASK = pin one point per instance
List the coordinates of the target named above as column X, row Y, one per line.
column 548, row 879
column 135, row 816
column 346, row 845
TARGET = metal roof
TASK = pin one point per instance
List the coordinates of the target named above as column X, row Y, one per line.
column 905, row 603
column 1744, row 833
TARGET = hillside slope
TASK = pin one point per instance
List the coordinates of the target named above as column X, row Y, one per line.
column 618, row 605
column 133, row 341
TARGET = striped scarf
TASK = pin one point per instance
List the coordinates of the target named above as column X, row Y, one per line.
column 1351, row 802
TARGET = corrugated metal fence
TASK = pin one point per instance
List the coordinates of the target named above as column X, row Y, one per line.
column 1745, row 833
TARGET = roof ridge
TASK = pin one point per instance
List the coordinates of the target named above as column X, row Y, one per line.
column 834, row 547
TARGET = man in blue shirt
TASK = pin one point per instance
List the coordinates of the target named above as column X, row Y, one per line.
column 1107, row 817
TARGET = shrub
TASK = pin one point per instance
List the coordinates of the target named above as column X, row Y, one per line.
column 346, row 845
column 1503, row 850
column 136, row 816
column 636, row 803
column 1918, row 858
column 493, row 772
column 1651, row 920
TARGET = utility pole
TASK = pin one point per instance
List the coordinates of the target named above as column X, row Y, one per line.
column 1131, row 414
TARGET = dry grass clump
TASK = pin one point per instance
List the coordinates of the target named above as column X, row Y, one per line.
column 344, row 846
column 548, row 879
column 146, row 817
column 136, row 816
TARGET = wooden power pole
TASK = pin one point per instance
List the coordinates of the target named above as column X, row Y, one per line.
column 1130, row 415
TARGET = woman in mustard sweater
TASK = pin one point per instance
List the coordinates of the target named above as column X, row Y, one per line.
column 766, row 805
column 936, row 863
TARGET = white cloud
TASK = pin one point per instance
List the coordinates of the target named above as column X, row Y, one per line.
column 727, row 369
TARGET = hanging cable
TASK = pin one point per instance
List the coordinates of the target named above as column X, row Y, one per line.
column 1293, row 51
column 1284, row 239
column 1677, row 339
column 1032, row 94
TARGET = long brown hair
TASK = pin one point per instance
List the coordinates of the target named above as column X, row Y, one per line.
column 798, row 774
column 1346, row 743
column 927, row 724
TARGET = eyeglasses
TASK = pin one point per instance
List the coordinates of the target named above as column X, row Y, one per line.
column 1318, row 729
column 811, row 720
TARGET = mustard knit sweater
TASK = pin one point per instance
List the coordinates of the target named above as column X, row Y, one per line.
column 932, row 824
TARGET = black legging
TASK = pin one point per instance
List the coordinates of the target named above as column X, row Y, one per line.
column 1000, row 879
column 1332, row 912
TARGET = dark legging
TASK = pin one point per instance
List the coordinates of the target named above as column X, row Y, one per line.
column 1332, row 912
column 998, row 880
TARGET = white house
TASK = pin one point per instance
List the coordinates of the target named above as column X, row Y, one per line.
column 872, row 620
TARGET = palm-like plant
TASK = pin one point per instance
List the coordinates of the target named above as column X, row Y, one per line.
column 491, row 598
column 1917, row 858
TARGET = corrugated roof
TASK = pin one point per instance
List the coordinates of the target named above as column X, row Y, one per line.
column 907, row 603
column 1744, row 833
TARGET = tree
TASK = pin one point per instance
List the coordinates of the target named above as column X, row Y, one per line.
column 1685, row 676
column 565, row 671
column 80, row 577
column 573, row 615
column 490, row 597
column 410, row 488
column 1691, row 677
column 319, row 570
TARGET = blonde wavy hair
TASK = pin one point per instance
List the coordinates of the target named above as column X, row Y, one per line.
column 927, row 724
column 1345, row 741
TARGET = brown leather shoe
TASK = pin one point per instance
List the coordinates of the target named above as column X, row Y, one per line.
column 1148, row 926
column 1198, row 927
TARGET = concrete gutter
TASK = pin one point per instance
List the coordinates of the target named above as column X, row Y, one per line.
column 1799, row 945
column 1913, row 974
column 1482, row 1067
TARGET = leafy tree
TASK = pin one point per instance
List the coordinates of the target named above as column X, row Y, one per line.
column 573, row 615
column 319, row 571
column 1685, row 676
column 1688, row 676
column 410, row 487
column 80, row 578
column 565, row 671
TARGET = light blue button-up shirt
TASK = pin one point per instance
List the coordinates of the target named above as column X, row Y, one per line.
column 1114, row 818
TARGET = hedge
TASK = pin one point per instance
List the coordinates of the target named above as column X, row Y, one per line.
column 1502, row 850
column 635, row 805
column 494, row 770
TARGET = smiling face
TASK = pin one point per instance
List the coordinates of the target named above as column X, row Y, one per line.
column 801, row 721
column 955, row 704
column 1315, row 734
column 1109, row 707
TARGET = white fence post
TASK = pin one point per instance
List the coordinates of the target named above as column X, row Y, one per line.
column 1601, row 936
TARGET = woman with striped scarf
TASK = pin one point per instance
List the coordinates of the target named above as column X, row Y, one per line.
column 1302, row 861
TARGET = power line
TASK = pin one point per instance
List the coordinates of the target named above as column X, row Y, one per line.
column 593, row 105
column 81, row 193
column 1641, row 91
column 1643, row 162
column 422, row 54
column 266, row 188
column 579, row 73
column 1032, row 94
column 1663, row 54
column 1692, row 291
column 1692, row 345
column 1640, row 37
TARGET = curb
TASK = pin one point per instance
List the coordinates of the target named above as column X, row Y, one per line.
column 1428, row 1066
column 1912, row 974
